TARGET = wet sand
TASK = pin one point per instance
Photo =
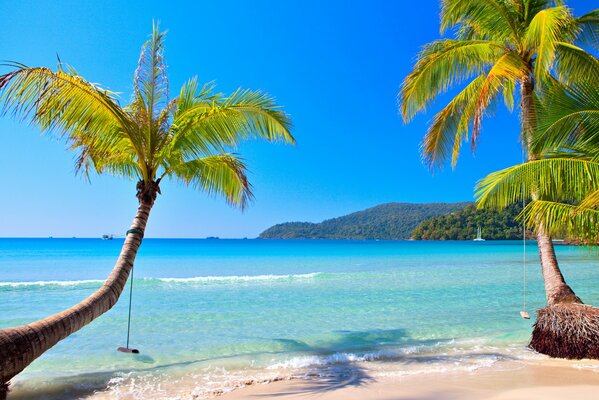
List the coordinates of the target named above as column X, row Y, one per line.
column 551, row 379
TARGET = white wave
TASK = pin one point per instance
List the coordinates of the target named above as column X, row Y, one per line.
column 50, row 283
column 337, row 358
column 198, row 279
column 240, row 278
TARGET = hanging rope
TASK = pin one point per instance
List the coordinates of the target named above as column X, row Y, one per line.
column 126, row 349
column 524, row 314
column 130, row 301
column 524, row 245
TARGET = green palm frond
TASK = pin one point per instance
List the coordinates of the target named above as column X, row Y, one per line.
column 111, row 154
column 487, row 18
column 223, row 174
column 563, row 219
column 508, row 68
column 210, row 126
column 589, row 28
column 569, row 117
column 450, row 126
column 574, row 64
column 441, row 64
column 591, row 201
column 556, row 179
column 509, row 89
column 546, row 30
column 192, row 95
column 60, row 101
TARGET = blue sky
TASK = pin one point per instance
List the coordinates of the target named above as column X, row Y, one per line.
column 334, row 66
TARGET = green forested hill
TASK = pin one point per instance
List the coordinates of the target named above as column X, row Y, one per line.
column 463, row 224
column 389, row 221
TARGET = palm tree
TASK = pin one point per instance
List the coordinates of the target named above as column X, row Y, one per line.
column 501, row 46
column 566, row 180
column 187, row 138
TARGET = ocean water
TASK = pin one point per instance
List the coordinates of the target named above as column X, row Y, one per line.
column 212, row 315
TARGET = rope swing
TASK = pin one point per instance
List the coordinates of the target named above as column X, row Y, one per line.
column 126, row 349
column 524, row 314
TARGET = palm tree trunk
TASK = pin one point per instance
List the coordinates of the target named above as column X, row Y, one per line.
column 20, row 345
column 556, row 289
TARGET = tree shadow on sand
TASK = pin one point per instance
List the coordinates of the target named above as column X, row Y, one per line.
column 339, row 362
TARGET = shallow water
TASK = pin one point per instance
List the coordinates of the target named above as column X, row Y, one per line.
column 219, row 312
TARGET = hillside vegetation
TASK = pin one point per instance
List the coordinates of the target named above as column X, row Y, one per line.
column 463, row 224
column 391, row 221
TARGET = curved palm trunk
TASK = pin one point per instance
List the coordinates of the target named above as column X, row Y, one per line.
column 20, row 345
column 556, row 289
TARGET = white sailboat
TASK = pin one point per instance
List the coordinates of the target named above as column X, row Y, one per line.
column 479, row 237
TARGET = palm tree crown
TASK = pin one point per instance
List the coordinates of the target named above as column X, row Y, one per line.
column 187, row 138
column 499, row 45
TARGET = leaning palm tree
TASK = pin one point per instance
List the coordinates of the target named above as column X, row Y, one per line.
column 566, row 181
column 502, row 47
column 188, row 138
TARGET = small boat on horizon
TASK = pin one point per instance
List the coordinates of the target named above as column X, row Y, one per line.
column 479, row 237
column 107, row 237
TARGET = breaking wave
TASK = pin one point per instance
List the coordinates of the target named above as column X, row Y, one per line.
column 198, row 280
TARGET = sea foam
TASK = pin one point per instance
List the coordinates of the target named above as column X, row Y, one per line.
column 239, row 278
column 50, row 283
column 193, row 280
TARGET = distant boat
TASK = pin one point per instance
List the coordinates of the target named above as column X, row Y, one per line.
column 479, row 237
column 212, row 238
column 107, row 237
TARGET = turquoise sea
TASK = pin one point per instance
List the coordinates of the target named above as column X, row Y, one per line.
column 209, row 315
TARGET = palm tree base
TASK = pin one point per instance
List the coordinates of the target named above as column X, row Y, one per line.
column 567, row 331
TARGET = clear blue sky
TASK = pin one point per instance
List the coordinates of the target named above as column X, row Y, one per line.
column 334, row 66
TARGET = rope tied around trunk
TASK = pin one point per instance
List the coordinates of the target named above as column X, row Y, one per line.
column 135, row 231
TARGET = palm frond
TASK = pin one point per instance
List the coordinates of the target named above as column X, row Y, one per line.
column 574, row 64
column 450, row 126
column 441, row 64
column 591, row 201
column 213, row 126
column 67, row 103
column 589, row 29
column 509, row 88
column 115, row 157
column 509, row 68
column 546, row 30
column 569, row 117
column 556, row 179
column 222, row 174
column 488, row 18
column 563, row 219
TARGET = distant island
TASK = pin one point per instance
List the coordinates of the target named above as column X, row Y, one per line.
column 391, row 221
column 401, row 221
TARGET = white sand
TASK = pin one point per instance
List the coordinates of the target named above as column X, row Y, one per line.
column 540, row 380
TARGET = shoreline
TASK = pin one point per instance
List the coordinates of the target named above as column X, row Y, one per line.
column 508, row 379
column 543, row 380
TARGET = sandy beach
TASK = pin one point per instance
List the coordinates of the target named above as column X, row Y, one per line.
column 551, row 379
